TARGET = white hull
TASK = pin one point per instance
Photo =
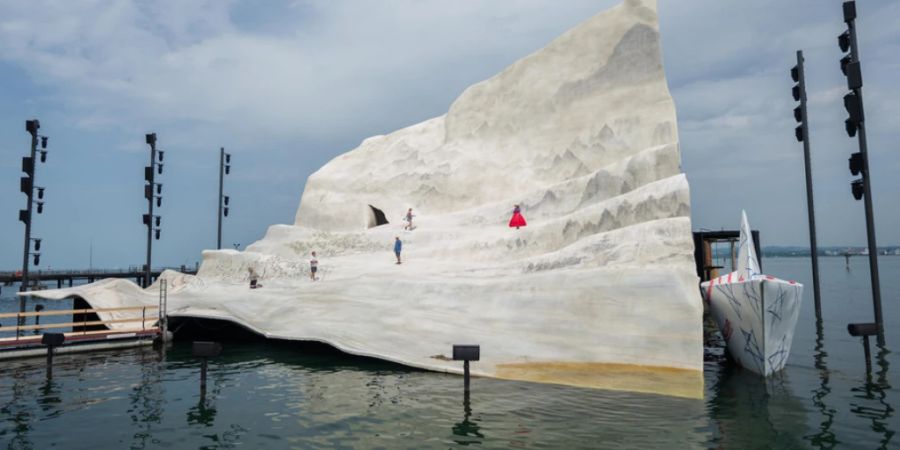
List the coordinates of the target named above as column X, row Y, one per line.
column 756, row 317
column 756, row 313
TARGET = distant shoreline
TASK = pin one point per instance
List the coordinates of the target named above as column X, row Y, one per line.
column 798, row 251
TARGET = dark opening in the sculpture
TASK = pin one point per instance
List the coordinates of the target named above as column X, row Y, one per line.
column 376, row 217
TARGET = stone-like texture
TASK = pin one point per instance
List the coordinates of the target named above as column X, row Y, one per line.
column 599, row 285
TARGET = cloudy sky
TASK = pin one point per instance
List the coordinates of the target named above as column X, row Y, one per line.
column 287, row 85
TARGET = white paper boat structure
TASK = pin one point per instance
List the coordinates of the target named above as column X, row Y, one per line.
column 756, row 313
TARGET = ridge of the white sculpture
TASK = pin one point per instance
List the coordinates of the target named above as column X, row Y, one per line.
column 598, row 287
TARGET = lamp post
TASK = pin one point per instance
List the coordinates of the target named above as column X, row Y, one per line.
column 224, row 169
column 859, row 162
column 27, row 187
column 152, row 191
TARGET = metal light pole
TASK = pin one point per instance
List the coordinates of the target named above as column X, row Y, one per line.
column 802, row 133
column 859, row 162
column 27, row 187
column 224, row 169
column 150, row 173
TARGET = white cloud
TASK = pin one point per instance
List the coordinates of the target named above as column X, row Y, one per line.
column 127, row 61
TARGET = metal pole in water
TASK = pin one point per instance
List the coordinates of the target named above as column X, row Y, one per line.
column 150, row 178
column 466, row 376
column 466, row 353
column 204, row 350
column 859, row 162
column 221, row 181
column 800, row 113
column 868, row 353
column 202, row 376
column 27, row 188
column 52, row 340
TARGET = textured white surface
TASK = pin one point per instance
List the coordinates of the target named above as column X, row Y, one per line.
column 756, row 313
column 582, row 134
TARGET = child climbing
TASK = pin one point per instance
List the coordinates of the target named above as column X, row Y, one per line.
column 398, row 245
column 409, row 216
column 313, row 267
column 517, row 220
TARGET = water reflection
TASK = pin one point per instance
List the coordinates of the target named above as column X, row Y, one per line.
column 17, row 412
column 50, row 396
column 825, row 438
column 146, row 400
column 204, row 412
column 753, row 412
column 871, row 399
column 467, row 432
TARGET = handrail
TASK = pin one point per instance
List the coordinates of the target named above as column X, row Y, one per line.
column 18, row 328
column 63, row 312
column 69, row 324
column 11, row 340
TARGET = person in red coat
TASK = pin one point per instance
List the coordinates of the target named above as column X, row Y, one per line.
column 517, row 220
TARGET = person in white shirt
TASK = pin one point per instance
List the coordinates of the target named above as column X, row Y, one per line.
column 313, row 267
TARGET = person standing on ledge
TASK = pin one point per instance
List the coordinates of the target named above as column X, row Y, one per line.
column 398, row 245
column 313, row 267
column 517, row 220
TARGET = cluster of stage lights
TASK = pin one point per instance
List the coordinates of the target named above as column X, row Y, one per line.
column 27, row 186
column 853, row 100
column 850, row 67
column 225, row 198
column 152, row 189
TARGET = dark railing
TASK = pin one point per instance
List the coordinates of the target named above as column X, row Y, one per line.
column 9, row 277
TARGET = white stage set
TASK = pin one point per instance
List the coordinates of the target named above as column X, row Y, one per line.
column 598, row 290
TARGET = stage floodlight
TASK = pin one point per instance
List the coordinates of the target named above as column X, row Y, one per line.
column 856, row 163
column 844, row 41
column 857, row 188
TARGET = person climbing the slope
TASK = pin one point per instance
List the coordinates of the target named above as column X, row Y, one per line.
column 313, row 267
column 398, row 245
column 254, row 278
column 408, row 218
column 517, row 220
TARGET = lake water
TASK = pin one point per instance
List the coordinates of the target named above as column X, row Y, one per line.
column 267, row 395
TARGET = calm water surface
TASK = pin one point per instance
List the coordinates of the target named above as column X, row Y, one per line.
column 274, row 396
